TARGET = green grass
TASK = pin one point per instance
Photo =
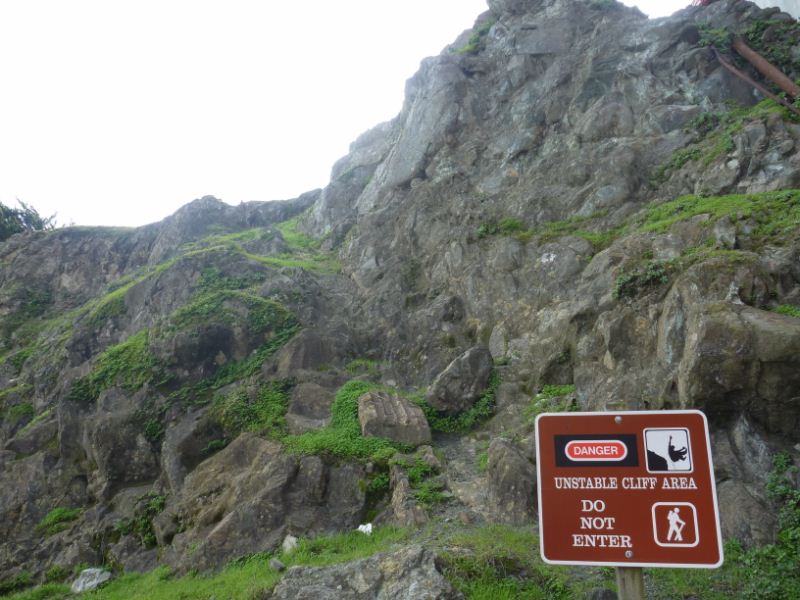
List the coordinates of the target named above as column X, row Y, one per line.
column 765, row 573
column 222, row 306
column 777, row 48
column 48, row 591
column 129, row 365
column 775, row 213
column 552, row 398
column 248, row 577
column 263, row 411
column 547, row 232
column 426, row 490
column 148, row 507
column 630, row 284
column 56, row 520
column 342, row 438
column 476, row 40
column 38, row 418
column 716, row 133
column 233, row 371
column 467, row 420
column 789, row 310
column 21, row 389
column 20, row 580
column 294, row 238
column 498, row 562
column 304, row 251
column 364, row 366
column 20, row 412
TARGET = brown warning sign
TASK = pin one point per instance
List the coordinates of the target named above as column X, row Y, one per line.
column 632, row 489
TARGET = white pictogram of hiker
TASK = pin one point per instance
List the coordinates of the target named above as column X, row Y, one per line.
column 676, row 525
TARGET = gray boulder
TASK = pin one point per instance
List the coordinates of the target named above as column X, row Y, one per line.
column 394, row 418
column 402, row 575
column 512, row 483
column 463, row 381
column 309, row 408
column 89, row 579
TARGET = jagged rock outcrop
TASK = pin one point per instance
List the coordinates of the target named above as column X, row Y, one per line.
column 556, row 202
column 459, row 386
column 385, row 416
column 407, row 573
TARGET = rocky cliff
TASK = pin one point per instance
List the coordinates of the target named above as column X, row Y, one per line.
column 577, row 207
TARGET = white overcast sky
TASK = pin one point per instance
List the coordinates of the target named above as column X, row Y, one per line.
column 118, row 112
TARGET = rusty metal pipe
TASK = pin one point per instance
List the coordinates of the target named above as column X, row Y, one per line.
column 766, row 68
column 755, row 84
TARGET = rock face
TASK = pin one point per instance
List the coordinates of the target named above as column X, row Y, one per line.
column 249, row 496
column 566, row 198
column 512, row 481
column 408, row 573
column 90, row 579
column 463, row 381
column 309, row 409
column 394, row 418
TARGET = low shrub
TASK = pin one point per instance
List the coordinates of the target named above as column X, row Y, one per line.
column 342, row 438
column 467, row 420
column 57, row 520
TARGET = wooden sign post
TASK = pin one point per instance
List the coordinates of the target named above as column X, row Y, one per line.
column 628, row 490
column 630, row 583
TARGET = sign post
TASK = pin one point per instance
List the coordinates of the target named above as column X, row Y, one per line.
column 628, row 490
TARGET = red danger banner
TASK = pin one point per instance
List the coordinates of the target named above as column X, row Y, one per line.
column 632, row 489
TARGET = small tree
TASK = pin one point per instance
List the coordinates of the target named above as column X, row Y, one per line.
column 24, row 218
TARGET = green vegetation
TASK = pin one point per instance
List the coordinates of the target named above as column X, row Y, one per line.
column 21, row 580
column 21, row 390
column 233, row 371
column 294, row 238
column 49, row 591
column 776, row 214
column 263, row 410
column 765, row 573
column 777, row 46
column 676, row 162
column 552, row 398
column 483, row 460
column 476, row 40
column 24, row 218
column 38, row 418
column 56, row 574
column 129, row 365
column 147, row 507
column 716, row 133
column 56, row 520
column 220, row 306
column 467, row 420
column 20, row 412
column 421, row 476
column 303, row 252
column 547, row 232
column 502, row 563
column 215, row 446
column 364, row 366
column 718, row 37
column 18, row 359
column 247, row 577
column 788, row 310
column 506, row 226
column 631, row 284
column 342, row 438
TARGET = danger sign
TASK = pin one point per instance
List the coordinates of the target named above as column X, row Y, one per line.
column 632, row 489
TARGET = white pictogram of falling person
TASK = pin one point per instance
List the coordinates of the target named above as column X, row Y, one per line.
column 676, row 525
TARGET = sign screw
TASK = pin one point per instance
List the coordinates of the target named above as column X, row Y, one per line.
column 628, row 554
column 618, row 420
